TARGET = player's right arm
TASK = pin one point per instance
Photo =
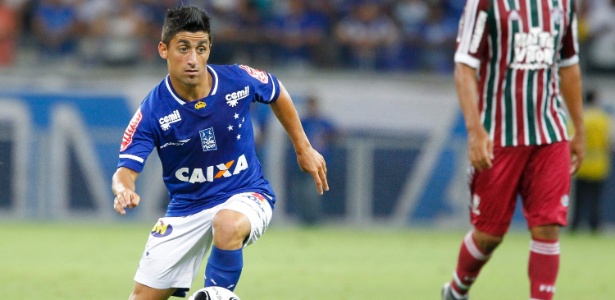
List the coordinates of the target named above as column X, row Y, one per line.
column 480, row 145
column 123, row 187
column 470, row 51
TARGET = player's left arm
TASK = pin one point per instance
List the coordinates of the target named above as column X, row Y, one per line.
column 310, row 161
column 571, row 88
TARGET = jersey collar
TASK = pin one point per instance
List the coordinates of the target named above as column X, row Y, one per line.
column 214, row 88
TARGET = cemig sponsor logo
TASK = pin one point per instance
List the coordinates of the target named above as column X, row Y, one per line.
column 166, row 121
column 534, row 49
column 200, row 175
column 233, row 98
column 130, row 130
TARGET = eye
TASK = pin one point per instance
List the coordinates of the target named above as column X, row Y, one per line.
column 202, row 49
column 183, row 49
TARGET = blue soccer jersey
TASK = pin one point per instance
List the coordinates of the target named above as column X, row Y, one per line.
column 206, row 147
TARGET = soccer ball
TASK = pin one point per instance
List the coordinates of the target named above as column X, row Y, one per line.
column 214, row 293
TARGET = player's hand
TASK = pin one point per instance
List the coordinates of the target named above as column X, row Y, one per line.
column 125, row 199
column 314, row 163
column 577, row 152
column 480, row 149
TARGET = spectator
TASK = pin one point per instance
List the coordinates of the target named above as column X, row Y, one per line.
column 238, row 31
column 55, row 28
column 88, row 13
column 438, row 34
column 121, row 31
column 411, row 14
column 299, row 34
column 321, row 133
column 592, row 175
column 9, row 32
column 369, row 38
column 601, row 26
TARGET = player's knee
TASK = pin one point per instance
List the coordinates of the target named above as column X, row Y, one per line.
column 545, row 232
column 230, row 229
column 487, row 242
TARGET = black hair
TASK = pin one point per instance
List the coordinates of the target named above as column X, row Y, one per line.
column 184, row 18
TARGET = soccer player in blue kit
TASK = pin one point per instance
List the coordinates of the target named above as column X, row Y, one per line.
column 198, row 121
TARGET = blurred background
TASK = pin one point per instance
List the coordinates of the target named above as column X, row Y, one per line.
column 372, row 81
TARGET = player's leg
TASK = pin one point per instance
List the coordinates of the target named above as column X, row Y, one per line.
column 545, row 188
column 494, row 194
column 475, row 251
column 226, row 258
column 240, row 221
column 543, row 264
column 144, row 292
column 174, row 251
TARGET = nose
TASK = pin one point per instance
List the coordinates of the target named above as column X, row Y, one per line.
column 192, row 58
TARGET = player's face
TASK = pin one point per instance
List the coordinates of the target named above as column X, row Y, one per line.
column 187, row 55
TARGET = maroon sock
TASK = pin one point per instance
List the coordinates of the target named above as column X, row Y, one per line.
column 471, row 260
column 543, row 268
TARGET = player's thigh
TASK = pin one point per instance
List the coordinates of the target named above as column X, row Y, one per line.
column 545, row 186
column 174, row 250
column 494, row 191
column 257, row 210
column 144, row 292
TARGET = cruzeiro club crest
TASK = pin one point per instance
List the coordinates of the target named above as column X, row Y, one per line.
column 208, row 139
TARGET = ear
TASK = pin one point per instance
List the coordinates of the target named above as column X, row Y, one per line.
column 163, row 50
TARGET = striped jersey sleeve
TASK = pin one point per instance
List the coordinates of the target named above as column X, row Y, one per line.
column 471, row 38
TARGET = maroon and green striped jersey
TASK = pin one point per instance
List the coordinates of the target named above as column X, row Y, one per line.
column 517, row 47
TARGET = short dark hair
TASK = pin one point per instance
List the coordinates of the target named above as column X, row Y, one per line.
column 184, row 18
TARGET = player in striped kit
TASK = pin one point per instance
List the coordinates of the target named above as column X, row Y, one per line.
column 516, row 72
column 198, row 121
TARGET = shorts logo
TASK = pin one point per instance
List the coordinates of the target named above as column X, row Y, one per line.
column 475, row 204
column 130, row 130
column 258, row 74
column 208, row 139
column 565, row 200
column 161, row 229
column 258, row 199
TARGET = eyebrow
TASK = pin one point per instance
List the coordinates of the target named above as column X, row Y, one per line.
column 200, row 43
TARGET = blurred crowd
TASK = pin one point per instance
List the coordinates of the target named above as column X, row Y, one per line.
column 395, row 35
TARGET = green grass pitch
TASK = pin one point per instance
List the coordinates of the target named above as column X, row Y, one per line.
column 60, row 261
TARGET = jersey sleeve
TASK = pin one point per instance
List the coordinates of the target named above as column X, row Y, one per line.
column 569, row 53
column 137, row 143
column 472, row 34
column 266, row 85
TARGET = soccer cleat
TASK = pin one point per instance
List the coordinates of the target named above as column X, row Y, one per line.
column 447, row 293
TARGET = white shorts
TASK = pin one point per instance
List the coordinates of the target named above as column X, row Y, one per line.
column 177, row 245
